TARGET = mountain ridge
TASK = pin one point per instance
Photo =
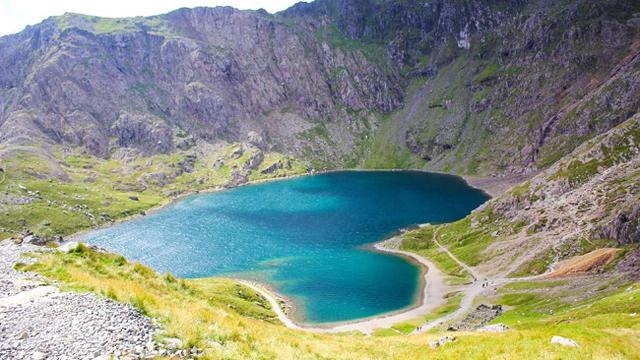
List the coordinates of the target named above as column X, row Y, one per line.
column 346, row 78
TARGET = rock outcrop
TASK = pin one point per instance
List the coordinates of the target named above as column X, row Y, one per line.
column 588, row 199
column 497, row 88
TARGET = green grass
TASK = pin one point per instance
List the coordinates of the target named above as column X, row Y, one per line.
column 381, row 150
column 464, row 242
column 76, row 191
column 529, row 285
column 489, row 72
column 420, row 242
column 538, row 265
column 228, row 320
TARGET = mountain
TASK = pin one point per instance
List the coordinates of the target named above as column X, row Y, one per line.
column 586, row 201
column 339, row 83
column 103, row 119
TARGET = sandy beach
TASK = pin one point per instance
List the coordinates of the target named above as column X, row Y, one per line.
column 431, row 297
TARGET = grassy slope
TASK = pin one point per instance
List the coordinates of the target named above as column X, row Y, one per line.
column 468, row 238
column 96, row 191
column 228, row 320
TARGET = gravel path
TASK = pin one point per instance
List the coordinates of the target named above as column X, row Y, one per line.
column 37, row 321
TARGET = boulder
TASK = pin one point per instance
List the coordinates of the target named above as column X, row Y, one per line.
column 441, row 341
column 253, row 161
column 38, row 355
column 563, row 341
column 68, row 246
column 495, row 328
column 482, row 315
column 218, row 164
column 134, row 198
column 29, row 239
column 256, row 139
column 173, row 343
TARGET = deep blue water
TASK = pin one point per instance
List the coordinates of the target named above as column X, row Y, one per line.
column 304, row 236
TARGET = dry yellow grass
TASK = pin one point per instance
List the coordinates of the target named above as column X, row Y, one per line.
column 229, row 321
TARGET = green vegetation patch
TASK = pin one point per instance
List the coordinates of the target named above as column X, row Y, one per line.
column 76, row 191
column 468, row 241
column 490, row 72
column 420, row 241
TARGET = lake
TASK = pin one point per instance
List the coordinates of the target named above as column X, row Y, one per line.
column 306, row 237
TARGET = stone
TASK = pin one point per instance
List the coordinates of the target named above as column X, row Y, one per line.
column 255, row 139
column 494, row 328
column 563, row 341
column 173, row 343
column 441, row 341
column 134, row 198
column 38, row 355
column 68, row 246
column 68, row 325
column 219, row 163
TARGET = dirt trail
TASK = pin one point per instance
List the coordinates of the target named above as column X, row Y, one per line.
column 474, row 274
column 480, row 284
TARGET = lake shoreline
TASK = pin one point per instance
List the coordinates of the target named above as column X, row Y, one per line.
column 490, row 186
column 423, row 300
column 430, row 295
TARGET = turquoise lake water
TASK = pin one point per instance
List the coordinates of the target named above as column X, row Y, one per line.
column 306, row 237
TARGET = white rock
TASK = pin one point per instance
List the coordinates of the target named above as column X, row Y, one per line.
column 173, row 343
column 442, row 341
column 28, row 239
column 68, row 246
column 563, row 341
column 496, row 328
column 39, row 355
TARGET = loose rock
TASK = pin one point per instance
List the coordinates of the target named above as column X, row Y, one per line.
column 494, row 328
column 64, row 325
column 563, row 341
column 442, row 341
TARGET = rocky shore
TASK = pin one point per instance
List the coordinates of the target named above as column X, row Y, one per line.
column 38, row 321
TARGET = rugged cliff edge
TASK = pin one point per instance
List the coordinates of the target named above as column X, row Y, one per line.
column 477, row 87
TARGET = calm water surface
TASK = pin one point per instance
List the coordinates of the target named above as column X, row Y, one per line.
column 305, row 237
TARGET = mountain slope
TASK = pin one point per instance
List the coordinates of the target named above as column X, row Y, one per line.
column 328, row 82
column 586, row 201
column 215, row 74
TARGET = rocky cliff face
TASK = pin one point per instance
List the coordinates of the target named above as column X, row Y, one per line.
column 216, row 74
column 498, row 87
column 495, row 86
column 588, row 199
